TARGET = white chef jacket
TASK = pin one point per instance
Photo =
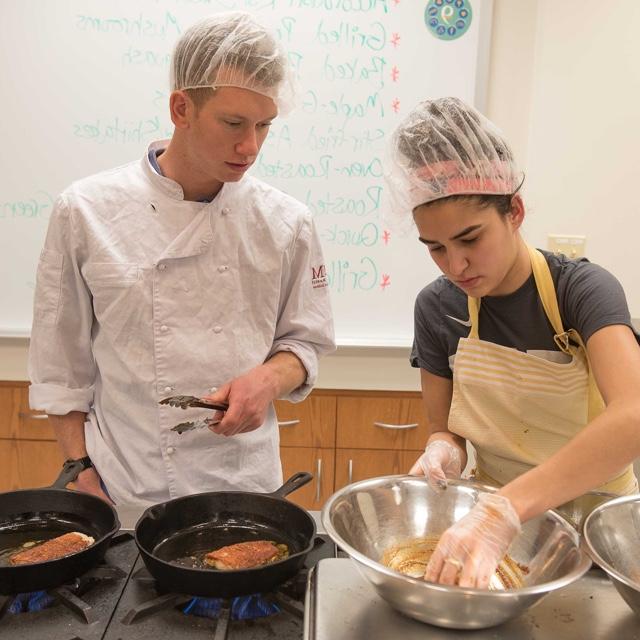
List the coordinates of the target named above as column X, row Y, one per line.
column 141, row 294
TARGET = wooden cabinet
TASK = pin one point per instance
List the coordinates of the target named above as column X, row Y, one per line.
column 28, row 464
column 311, row 423
column 29, row 454
column 374, row 433
column 321, row 463
column 381, row 421
column 359, row 464
column 338, row 436
column 378, row 433
column 307, row 443
column 16, row 419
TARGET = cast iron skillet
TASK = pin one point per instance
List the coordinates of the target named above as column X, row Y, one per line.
column 40, row 514
column 174, row 536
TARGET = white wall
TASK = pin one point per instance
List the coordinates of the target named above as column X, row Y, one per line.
column 564, row 85
column 583, row 163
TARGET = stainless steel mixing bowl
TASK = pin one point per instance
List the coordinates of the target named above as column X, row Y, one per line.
column 368, row 517
column 577, row 510
column 612, row 539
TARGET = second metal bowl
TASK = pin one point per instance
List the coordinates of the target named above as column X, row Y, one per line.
column 612, row 538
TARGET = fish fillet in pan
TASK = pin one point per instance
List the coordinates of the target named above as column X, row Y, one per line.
column 246, row 555
column 53, row 549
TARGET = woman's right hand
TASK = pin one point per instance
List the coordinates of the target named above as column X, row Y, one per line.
column 89, row 482
column 440, row 460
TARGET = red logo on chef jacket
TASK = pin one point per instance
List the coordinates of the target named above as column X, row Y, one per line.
column 319, row 277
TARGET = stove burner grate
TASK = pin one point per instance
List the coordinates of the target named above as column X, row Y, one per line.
column 69, row 595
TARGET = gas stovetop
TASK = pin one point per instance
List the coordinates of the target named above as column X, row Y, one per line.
column 119, row 601
column 83, row 615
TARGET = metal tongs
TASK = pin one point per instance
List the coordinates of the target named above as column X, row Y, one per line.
column 185, row 402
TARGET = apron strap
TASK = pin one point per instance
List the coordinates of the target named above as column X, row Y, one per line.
column 547, row 293
column 473, row 304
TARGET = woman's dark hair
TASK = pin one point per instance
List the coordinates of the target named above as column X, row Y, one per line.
column 502, row 203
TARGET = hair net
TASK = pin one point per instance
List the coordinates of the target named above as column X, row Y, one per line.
column 231, row 49
column 443, row 148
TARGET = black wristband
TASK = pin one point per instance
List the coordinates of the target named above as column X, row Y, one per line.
column 85, row 462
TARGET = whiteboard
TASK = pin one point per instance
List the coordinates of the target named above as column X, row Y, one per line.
column 85, row 86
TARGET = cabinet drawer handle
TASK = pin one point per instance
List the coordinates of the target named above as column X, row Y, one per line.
column 288, row 423
column 318, row 478
column 33, row 416
column 383, row 425
column 350, row 471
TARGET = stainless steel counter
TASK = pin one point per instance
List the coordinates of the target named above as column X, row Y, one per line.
column 342, row 605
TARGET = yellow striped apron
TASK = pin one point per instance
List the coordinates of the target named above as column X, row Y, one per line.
column 518, row 409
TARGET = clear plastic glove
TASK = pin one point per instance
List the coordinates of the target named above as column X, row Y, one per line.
column 469, row 551
column 440, row 460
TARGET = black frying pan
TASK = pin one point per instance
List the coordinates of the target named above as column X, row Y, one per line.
column 174, row 536
column 41, row 514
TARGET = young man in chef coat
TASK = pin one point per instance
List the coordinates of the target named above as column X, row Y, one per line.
column 179, row 274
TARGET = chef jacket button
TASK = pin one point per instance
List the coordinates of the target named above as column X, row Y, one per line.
column 222, row 268
column 171, row 450
column 168, row 389
column 225, row 211
column 213, row 389
column 162, row 266
column 217, row 329
column 163, row 327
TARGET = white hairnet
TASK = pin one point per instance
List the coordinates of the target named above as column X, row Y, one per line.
column 445, row 147
column 231, row 49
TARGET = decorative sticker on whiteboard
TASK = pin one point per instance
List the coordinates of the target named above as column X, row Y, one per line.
column 448, row 19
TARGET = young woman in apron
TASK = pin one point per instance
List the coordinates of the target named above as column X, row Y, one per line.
column 529, row 356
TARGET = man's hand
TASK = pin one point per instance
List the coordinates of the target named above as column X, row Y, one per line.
column 469, row 552
column 249, row 397
column 250, row 394
column 89, row 482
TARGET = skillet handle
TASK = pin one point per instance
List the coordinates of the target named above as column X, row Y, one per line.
column 294, row 483
column 70, row 472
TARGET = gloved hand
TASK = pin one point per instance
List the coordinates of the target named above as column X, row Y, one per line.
column 440, row 460
column 469, row 551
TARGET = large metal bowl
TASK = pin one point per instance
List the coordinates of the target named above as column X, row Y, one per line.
column 577, row 510
column 612, row 539
column 368, row 517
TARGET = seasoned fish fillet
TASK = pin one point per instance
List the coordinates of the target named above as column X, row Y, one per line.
column 246, row 555
column 52, row 549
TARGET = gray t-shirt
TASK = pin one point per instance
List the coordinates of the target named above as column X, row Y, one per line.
column 589, row 298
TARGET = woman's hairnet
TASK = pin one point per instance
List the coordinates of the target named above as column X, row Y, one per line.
column 231, row 49
column 443, row 148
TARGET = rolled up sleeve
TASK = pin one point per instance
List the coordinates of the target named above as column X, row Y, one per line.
column 305, row 321
column 61, row 364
